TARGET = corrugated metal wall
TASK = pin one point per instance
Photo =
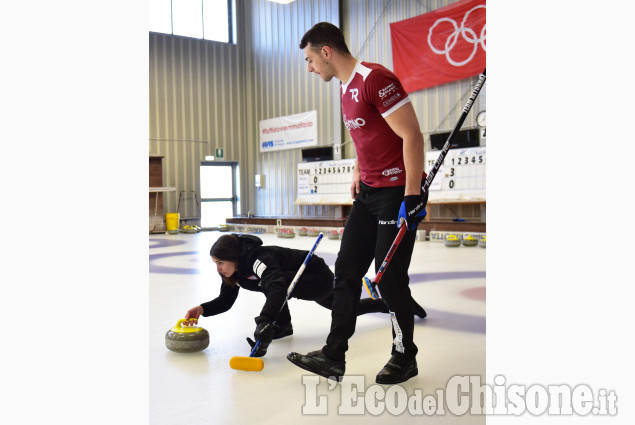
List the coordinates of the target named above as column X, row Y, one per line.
column 205, row 95
column 196, row 105
column 283, row 86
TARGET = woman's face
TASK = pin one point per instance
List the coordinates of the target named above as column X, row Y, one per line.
column 226, row 268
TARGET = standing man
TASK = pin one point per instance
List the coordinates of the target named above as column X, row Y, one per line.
column 387, row 192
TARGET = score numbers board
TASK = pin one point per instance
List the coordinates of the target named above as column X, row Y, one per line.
column 462, row 176
column 325, row 182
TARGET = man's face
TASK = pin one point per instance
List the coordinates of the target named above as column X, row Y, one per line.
column 316, row 61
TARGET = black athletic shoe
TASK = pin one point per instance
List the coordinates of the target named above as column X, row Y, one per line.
column 418, row 310
column 282, row 332
column 398, row 369
column 318, row 363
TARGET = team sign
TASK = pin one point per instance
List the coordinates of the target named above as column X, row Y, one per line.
column 290, row 132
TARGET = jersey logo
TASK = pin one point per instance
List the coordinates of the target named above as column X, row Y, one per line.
column 354, row 93
column 387, row 90
column 392, row 171
column 354, row 123
column 259, row 268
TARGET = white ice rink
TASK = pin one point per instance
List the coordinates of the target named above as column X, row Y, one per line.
column 201, row 388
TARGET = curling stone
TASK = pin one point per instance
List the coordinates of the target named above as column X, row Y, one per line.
column 190, row 229
column 481, row 243
column 313, row 232
column 286, row 233
column 452, row 240
column 470, row 240
column 302, row 231
column 333, row 234
column 184, row 338
column 341, row 233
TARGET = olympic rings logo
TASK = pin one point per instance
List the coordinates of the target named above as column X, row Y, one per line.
column 468, row 34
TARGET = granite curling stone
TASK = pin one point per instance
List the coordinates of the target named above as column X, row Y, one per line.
column 470, row 241
column 285, row 233
column 313, row 232
column 184, row 338
column 452, row 241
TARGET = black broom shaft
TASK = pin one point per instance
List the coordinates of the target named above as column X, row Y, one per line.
column 452, row 136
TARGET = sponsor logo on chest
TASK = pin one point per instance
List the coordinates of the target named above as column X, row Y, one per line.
column 355, row 123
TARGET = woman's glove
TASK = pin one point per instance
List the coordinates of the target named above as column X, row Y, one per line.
column 264, row 332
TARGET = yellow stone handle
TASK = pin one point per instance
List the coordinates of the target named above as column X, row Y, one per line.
column 184, row 329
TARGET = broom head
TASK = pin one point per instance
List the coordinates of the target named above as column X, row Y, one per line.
column 249, row 364
column 368, row 284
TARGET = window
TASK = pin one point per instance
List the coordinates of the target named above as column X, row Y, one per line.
column 206, row 19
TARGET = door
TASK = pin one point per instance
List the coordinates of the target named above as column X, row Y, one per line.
column 220, row 188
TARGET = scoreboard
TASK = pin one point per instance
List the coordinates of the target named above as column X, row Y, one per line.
column 325, row 182
column 462, row 176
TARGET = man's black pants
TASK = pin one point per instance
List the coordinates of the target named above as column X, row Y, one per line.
column 370, row 230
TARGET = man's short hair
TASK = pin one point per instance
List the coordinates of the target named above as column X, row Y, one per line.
column 325, row 34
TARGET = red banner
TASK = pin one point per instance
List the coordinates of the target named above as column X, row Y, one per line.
column 444, row 45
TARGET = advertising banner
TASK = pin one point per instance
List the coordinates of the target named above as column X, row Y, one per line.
column 290, row 132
